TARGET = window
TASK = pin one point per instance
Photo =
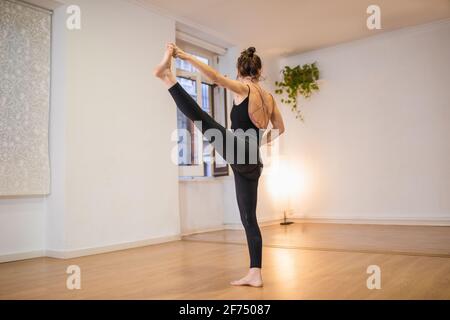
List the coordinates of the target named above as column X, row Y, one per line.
column 25, row 47
column 201, row 159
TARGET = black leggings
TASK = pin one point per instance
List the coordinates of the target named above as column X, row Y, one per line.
column 246, row 175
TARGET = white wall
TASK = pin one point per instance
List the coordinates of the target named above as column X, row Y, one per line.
column 375, row 144
column 111, row 122
column 202, row 204
column 120, row 183
column 270, row 207
column 22, row 225
column 55, row 228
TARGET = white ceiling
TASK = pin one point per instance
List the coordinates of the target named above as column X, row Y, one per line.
column 285, row 27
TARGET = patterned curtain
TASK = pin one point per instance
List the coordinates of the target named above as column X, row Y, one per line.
column 24, row 99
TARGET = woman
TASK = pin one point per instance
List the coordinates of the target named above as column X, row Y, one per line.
column 252, row 111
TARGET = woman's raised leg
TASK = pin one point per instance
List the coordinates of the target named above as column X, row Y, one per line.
column 218, row 136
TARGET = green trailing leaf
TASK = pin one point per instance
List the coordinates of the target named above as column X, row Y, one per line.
column 298, row 80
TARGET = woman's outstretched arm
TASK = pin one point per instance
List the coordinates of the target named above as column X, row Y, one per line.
column 216, row 77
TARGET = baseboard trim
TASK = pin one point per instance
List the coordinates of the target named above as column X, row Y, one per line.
column 203, row 230
column 437, row 222
column 21, row 256
column 70, row 254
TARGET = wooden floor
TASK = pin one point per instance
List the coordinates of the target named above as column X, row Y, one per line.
column 407, row 240
column 202, row 270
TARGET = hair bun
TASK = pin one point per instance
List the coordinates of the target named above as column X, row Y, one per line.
column 250, row 51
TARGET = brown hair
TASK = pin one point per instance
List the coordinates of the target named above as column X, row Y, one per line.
column 249, row 64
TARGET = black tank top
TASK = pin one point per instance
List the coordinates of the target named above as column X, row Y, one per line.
column 239, row 115
column 240, row 119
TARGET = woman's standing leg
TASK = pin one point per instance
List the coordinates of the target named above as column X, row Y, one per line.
column 247, row 196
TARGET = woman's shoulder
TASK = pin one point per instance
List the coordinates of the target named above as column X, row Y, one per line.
column 265, row 95
column 260, row 89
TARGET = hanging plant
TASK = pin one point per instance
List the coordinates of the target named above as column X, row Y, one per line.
column 298, row 80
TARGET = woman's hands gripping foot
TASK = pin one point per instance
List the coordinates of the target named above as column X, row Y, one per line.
column 165, row 65
column 164, row 69
column 179, row 53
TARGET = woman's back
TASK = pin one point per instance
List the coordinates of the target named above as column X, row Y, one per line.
column 260, row 105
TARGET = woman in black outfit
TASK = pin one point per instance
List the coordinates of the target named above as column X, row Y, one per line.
column 253, row 109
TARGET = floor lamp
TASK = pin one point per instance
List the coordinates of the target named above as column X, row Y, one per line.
column 285, row 222
column 283, row 184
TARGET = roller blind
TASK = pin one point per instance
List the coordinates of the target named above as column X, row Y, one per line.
column 25, row 40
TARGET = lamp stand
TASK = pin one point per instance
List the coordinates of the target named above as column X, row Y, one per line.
column 285, row 222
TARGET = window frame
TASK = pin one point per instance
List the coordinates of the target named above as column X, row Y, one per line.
column 199, row 169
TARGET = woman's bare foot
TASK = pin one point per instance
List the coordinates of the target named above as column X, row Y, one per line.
column 164, row 69
column 253, row 279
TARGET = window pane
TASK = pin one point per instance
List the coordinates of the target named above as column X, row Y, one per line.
column 206, row 97
column 186, row 66
column 190, row 86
